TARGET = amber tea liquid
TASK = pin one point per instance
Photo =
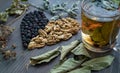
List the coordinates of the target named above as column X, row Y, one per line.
column 99, row 32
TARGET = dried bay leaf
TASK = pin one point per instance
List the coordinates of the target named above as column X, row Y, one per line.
column 80, row 70
column 66, row 49
column 80, row 50
column 67, row 66
column 109, row 36
column 117, row 2
column 105, row 32
column 98, row 63
column 46, row 57
column 97, row 37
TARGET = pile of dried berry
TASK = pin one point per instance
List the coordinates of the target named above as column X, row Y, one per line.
column 30, row 25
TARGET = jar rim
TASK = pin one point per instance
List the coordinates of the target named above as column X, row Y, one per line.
column 82, row 8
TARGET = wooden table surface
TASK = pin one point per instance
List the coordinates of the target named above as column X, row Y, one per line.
column 23, row 55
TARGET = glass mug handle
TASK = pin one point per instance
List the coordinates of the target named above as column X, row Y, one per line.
column 117, row 43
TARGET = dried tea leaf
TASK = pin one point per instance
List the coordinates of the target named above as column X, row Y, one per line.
column 58, row 10
column 72, row 13
column 97, row 37
column 105, row 32
column 117, row 2
column 59, row 16
column 46, row 4
column 66, row 49
column 80, row 50
column 46, row 57
column 3, row 16
column 80, row 70
column 98, row 63
column 109, row 36
column 67, row 66
column 16, row 8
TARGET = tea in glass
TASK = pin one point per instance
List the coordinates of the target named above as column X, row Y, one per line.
column 99, row 26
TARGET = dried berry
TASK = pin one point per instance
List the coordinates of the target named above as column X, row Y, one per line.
column 30, row 25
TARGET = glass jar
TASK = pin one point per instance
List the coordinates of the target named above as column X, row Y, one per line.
column 99, row 26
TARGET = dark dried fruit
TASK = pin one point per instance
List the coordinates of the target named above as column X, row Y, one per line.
column 31, row 23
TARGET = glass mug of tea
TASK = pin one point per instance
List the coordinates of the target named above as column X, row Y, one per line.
column 99, row 26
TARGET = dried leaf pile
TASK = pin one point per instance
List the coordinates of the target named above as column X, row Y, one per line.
column 16, row 8
column 54, row 32
column 81, row 62
column 59, row 10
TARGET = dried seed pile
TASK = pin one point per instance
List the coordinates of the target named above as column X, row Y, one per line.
column 54, row 32
column 30, row 25
column 7, row 54
column 5, row 31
